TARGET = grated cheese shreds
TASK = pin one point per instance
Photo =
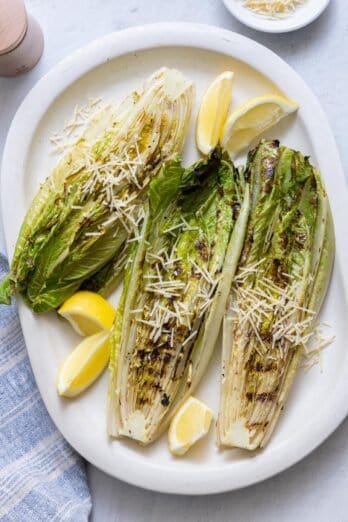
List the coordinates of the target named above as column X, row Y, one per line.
column 273, row 8
column 318, row 341
column 292, row 326
column 175, row 293
column 75, row 125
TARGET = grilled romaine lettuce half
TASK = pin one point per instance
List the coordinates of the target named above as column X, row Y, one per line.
column 175, row 294
column 83, row 214
column 278, row 289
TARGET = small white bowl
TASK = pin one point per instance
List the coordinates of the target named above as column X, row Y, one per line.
column 302, row 16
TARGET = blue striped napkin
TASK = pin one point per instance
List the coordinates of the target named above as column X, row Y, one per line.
column 41, row 476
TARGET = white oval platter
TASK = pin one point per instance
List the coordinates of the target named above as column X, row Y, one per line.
column 111, row 67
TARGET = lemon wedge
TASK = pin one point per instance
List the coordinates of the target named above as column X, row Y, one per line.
column 84, row 364
column 190, row 424
column 252, row 118
column 213, row 112
column 88, row 312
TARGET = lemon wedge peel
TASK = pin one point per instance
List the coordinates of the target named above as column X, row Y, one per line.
column 190, row 424
column 213, row 112
column 252, row 118
column 83, row 365
column 88, row 313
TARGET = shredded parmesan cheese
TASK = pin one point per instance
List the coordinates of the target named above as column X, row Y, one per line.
column 272, row 315
column 314, row 348
column 75, row 125
column 273, row 8
column 177, row 302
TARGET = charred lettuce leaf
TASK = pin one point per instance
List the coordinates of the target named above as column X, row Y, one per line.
column 280, row 283
column 77, row 225
column 175, row 294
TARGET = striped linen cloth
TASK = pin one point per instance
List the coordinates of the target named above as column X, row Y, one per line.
column 41, row 476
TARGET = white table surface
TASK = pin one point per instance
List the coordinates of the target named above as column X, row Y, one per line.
column 315, row 489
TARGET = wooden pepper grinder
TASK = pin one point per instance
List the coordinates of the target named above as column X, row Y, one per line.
column 21, row 39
